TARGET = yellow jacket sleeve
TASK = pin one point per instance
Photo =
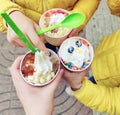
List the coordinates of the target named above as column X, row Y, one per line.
column 7, row 6
column 106, row 62
column 100, row 98
column 87, row 7
column 105, row 95
column 114, row 6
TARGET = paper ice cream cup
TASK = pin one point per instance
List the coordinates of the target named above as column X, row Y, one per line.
column 34, row 77
column 76, row 54
column 51, row 17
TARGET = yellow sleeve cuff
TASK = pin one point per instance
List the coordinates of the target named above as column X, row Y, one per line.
column 7, row 6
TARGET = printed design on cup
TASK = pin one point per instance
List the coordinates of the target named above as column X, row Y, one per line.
column 76, row 54
column 52, row 17
column 39, row 69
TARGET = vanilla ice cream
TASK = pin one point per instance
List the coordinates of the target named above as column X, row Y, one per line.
column 76, row 53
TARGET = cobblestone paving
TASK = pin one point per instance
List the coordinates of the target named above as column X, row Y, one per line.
column 102, row 23
column 9, row 103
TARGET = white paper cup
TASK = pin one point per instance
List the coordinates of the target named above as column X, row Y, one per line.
column 76, row 54
column 27, row 70
column 51, row 17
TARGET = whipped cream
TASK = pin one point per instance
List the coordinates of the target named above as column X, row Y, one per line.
column 42, row 69
column 42, row 62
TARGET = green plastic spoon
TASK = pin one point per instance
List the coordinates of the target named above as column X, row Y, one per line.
column 73, row 20
column 18, row 32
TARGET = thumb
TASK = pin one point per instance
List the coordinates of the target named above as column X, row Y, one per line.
column 41, row 40
column 15, row 71
column 37, row 40
column 57, row 80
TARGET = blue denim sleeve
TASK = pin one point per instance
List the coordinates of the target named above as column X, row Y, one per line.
column 92, row 79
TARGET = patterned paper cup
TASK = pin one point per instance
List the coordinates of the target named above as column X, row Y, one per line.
column 76, row 54
column 52, row 17
column 38, row 69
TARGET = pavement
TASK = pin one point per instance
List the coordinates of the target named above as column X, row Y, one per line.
column 102, row 23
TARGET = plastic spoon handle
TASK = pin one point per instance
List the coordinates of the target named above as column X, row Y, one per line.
column 18, row 32
column 48, row 29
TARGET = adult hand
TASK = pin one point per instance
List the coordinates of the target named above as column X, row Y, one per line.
column 29, row 28
column 74, row 79
column 35, row 100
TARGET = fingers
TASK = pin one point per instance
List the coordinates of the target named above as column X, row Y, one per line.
column 36, row 40
column 32, row 36
column 58, row 78
column 16, row 64
column 13, row 38
column 38, row 28
column 18, row 43
column 74, row 32
column 15, row 70
column 19, row 83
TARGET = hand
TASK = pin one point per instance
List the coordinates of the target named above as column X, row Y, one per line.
column 35, row 100
column 29, row 28
column 74, row 32
column 74, row 79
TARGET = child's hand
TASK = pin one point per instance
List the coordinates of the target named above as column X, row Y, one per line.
column 29, row 28
column 74, row 79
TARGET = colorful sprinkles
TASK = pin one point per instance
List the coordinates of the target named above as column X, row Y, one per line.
column 71, row 49
column 70, row 65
